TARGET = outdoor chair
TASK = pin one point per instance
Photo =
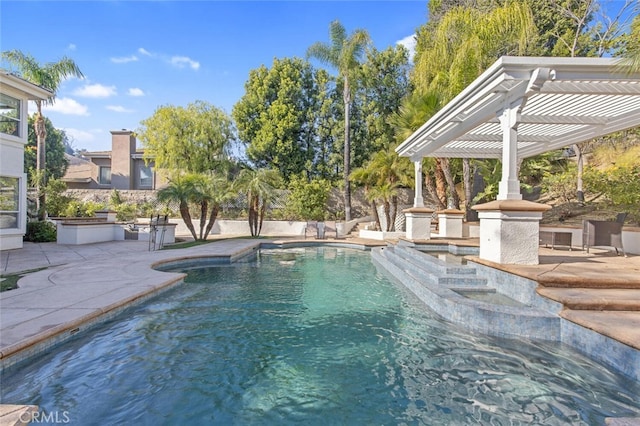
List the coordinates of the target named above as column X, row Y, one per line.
column 331, row 229
column 311, row 229
column 603, row 233
column 157, row 228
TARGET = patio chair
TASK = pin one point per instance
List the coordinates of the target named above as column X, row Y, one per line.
column 311, row 229
column 157, row 228
column 603, row 233
column 331, row 229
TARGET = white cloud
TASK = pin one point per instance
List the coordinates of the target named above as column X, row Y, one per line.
column 124, row 59
column 79, row 137
column 134, row 91
column 95, row 91
column 67, row 106
column 118, row 108
column 182, row 61
column 71, row 47
column 409, row 42
column 144, row 51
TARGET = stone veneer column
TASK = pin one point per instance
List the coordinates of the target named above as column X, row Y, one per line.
column 450, row 223
column 418, row 223
column 509, row 231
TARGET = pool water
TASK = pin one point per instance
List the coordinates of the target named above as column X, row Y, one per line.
column 309, row 336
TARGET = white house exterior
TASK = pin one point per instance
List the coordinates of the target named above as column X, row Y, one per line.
column 14, row 96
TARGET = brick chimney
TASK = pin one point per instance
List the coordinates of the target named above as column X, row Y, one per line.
column 123, row 146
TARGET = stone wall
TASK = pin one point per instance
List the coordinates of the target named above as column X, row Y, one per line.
column 104, row 195
column 359, row 205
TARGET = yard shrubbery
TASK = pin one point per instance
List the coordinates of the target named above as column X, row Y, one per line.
column 41, row 232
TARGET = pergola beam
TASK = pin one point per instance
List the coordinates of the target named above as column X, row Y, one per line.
column 600, row 88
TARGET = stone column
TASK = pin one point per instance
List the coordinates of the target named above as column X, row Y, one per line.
column 450, row 223
column 418, row 223
column 509, row 231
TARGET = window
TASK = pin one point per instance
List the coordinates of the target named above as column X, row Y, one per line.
column 104, row 178
column 9, row 202
column 9, row 115
column 146, row 177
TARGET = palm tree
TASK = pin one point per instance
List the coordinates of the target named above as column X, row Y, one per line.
column 385, row 192
column 183, row 190
column 343, row 53
column 213, row 191
column 415, row 110
column 260, row 188
column 365, row 176
column 382, row 176
column 49, row 76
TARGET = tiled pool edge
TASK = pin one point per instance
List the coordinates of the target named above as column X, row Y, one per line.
column 25, row 350
column 617, row 355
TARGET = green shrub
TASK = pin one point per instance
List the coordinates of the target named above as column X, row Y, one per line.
column 116, row 198
column 147, row 209
column 562, row 185
column 308, row 200
column 89, row 208
column 126, row 212
column 56, row 201
column 620, row 185
column 41, row 232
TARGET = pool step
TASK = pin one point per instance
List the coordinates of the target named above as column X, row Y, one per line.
column 434, row 262
column 489, row 315
column 426, row 267
column 594, row 299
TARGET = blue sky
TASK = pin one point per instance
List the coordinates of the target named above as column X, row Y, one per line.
column 139, row 55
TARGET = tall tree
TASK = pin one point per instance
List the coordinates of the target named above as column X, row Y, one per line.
column 192, row 139
column 465, row 42
column 49, row 76
column 631, row 51
column 588, row 32
column 55, row 143
column 384, row 78
column 415, row 110
column 344, row 53
column 278, row 116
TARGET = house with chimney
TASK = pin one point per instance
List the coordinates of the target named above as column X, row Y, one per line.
column 121, row 168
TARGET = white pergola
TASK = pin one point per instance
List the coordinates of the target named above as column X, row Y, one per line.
column 518, row 108
column 524, row 106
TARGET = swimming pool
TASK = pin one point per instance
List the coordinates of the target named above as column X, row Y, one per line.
column 311, row 336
